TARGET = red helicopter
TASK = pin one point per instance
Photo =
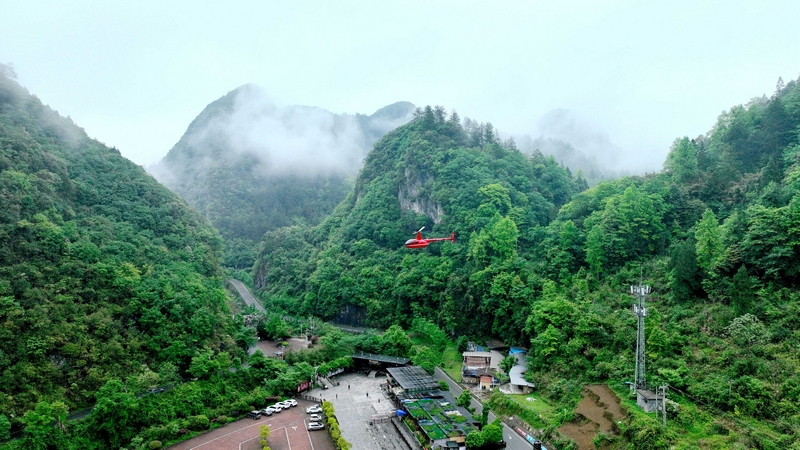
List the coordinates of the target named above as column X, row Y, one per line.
column 422, row 243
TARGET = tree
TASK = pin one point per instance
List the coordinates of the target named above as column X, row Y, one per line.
column 464, row 400
column 263, row 433
column 114, row 413
column 708, row 239
column 681, row 161
column 5, row 428
column 40, row 432
column 475, row 440
column 395, row 342
column 507, row 363
column 493, row 432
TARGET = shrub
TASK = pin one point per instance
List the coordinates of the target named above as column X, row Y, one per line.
column 198, row 423
column 443, row 386
column 154, row 444
column 222, row 419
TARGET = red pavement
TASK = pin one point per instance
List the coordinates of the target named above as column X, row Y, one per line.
column 287, row 432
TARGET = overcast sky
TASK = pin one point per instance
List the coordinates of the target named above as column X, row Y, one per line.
column 134, row 74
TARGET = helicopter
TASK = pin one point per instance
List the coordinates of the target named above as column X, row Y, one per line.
column 422, row 243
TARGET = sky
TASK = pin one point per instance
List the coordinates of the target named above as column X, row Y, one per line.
column 642, row 73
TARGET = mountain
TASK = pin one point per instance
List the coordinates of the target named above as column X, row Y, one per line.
column 250, row 166
column 104, row 273
column 540, row 261
column 431, row 172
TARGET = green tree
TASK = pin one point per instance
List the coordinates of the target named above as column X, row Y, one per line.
column 395, row 342
column 114, row 414
column 493, row 432
column 5, row 428
column 507, row 363
column 708, row 241
column 681, row 161
column 475, row 440
column 464, row 399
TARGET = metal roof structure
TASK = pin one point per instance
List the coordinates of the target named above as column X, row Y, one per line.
column 517, row 372
column 382, row 358
column 477, row 354
column 413, row 379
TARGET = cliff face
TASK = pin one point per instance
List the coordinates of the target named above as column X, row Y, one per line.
column 413, row 196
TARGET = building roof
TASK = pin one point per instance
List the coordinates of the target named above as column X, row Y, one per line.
column 413, row 378
column 648, row 395
column 477, row 354
column 382, row 358
column 517, row 372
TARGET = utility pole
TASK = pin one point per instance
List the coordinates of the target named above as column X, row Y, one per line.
column 664, row 404
column 640, row 311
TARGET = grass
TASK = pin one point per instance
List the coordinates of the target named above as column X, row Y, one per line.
column 539, row 406
column 451, row 362
column 451, row 358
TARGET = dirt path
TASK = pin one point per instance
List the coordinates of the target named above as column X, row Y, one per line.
column 598, row 411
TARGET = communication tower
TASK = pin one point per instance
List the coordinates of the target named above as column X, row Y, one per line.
column 641, row 291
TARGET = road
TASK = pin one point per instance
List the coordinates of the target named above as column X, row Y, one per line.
column 513, row 440
column 246, row 295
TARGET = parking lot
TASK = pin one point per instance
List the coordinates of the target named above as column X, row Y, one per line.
column 288, row 432
column 356, row 399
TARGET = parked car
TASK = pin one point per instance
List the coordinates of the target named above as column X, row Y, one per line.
column 285, row 404
column 313, row 409
column 315, row 418
column 268, row 411
column 291, row 402
column 255, row 415
column 315, row 426
column 277, row 407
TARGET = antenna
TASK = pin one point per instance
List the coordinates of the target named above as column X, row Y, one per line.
column 641, row 291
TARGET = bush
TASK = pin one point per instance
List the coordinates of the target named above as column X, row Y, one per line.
column 222, row 419
column 443, row 386
column 197, row 423
column 154, row 444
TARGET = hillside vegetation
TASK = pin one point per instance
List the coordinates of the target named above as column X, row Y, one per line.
column 251, row 167
column 105, row 275
column 542, row 262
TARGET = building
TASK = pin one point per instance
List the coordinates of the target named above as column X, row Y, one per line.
column 517, row 374
column 433, row 412
column 474, row 364
column 369, row 361
column 649, row 401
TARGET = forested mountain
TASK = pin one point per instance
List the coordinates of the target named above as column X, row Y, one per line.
column 250, row 166
column 437, row 173
column 104, row 273
column 541, row 262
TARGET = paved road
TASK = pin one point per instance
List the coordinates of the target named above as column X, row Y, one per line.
column 513, row 440
column 246, row 295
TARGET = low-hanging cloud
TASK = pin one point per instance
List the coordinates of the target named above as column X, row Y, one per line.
column 291, row 140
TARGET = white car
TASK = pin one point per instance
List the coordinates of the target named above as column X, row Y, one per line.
column 268, row 411
column 315, row 426
column 313, row 409
column 315, row 418
column 291, row 402
column 277, row 407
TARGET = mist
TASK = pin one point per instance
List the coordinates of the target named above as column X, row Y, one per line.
column 581, row 144
column 248, row 127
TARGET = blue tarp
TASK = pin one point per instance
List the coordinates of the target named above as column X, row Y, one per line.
column 515, row 350
column 401, row 413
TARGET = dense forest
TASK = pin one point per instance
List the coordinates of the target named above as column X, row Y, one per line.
column 543, row 262
column 105, row 275
column 231, row 164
